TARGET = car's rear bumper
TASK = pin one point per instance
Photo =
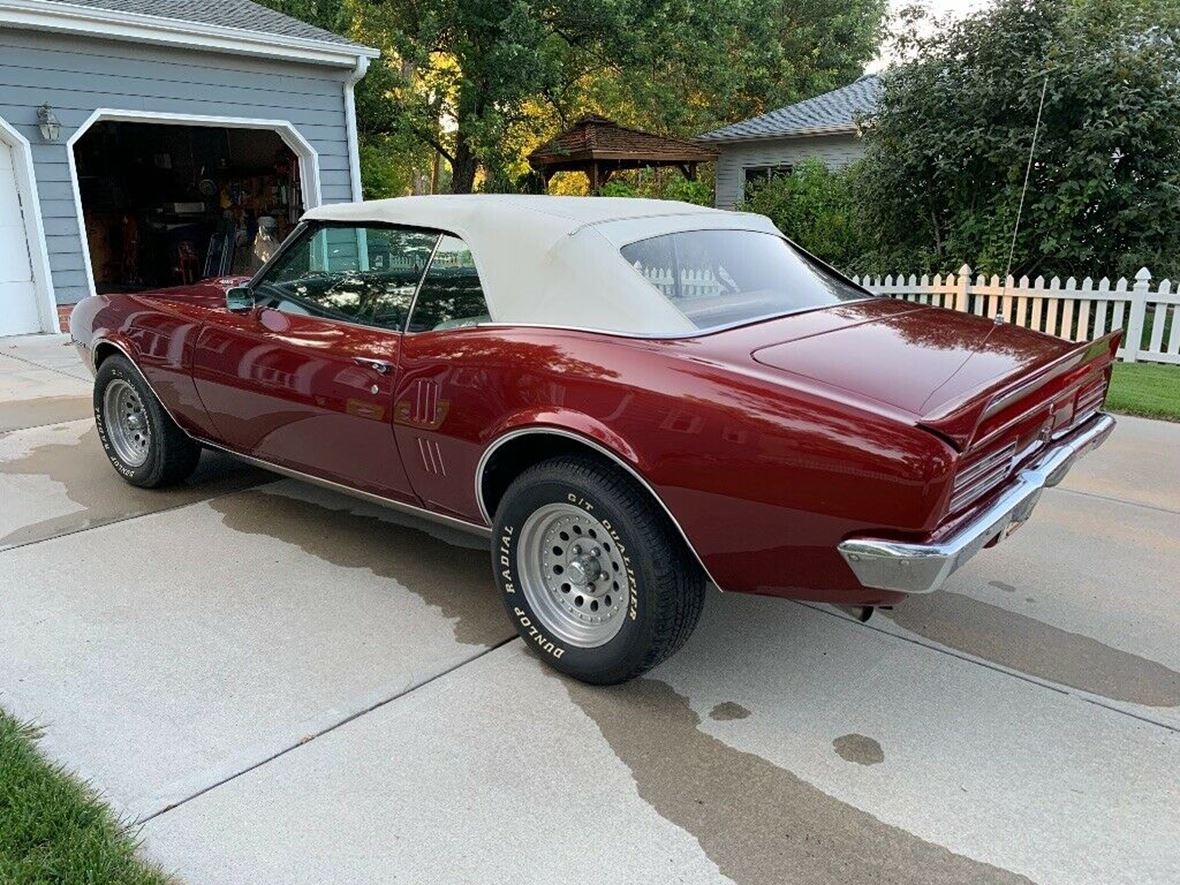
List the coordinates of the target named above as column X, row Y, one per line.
column 922, row 568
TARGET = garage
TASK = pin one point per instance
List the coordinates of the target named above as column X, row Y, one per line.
column 151, row 145
column 166, row 204
column 23, row 294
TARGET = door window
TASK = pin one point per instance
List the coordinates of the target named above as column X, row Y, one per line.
column 364, row 275
column 451, row 296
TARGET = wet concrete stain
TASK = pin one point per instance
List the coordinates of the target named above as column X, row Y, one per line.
column 90, row 481
column 758, row 822
column 22, row 413
column 1000, row 585
column 859, row 749
column 455, row 580
column 1038, row 649
column 727, row 710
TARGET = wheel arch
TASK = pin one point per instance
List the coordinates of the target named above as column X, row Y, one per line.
column 517, row 449
column 104, row 346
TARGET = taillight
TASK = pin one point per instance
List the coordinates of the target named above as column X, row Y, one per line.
column 981, row 475
column 1089, row 401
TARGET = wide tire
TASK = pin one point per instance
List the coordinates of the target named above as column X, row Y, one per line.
column 144, row 444
column 594, row 576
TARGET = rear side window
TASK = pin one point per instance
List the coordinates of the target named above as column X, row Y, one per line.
column 451, row 296
column 721, row 278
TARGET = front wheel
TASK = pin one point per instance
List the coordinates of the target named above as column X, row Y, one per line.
column 144, row 444
column 593, row 574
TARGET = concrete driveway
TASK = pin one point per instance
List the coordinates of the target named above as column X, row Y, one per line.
column 283, row 685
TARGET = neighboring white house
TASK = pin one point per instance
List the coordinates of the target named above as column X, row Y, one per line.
column 824, row 126
column 142, row 140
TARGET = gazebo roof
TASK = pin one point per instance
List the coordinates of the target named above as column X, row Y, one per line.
column 597, row 138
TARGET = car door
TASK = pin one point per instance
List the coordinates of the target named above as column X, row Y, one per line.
column 305, row 379
column 445, row 395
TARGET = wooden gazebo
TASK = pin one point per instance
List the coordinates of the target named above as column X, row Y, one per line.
column 600, row 147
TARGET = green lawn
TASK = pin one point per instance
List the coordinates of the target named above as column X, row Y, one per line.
column 1148, row 389
column 52, row 827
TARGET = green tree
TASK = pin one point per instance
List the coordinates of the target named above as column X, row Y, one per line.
column 948, row 146
column 690, row 65
column 483, row 81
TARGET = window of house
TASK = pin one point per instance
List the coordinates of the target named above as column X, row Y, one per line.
column 451, row 296
column 364, row 275
column 756, row 176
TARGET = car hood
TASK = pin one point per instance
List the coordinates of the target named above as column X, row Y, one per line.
column 911, row 357
column 205, row 293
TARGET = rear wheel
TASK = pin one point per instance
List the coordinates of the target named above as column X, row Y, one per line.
column 594, row 576
column 143, row 443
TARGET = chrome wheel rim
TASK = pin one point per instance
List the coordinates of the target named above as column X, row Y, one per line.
column 573, row 575
column 126, row 423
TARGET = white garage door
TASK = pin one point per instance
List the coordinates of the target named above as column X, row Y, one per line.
column 18, row 297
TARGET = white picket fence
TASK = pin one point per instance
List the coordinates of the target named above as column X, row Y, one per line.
column 1150, row 319
column 693, row 283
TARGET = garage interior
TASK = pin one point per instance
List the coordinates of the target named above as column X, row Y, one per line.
column 167, row 205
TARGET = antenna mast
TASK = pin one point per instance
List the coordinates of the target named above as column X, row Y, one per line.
column 1024, row 189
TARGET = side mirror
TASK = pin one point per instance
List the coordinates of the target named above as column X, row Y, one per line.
column 239, row 299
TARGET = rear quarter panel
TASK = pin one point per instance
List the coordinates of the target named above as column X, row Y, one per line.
column 764, row 479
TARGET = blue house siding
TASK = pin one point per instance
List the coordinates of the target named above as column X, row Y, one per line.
column 77, row 75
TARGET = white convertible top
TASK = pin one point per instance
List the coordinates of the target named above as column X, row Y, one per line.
column 555, row 261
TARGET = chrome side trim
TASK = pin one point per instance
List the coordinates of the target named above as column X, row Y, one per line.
column 922, row 568
column 393, row 504
column 602, row 450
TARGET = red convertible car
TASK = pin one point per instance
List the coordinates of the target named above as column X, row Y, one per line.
column 630, row 399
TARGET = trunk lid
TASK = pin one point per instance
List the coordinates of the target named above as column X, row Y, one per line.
column 917, row 360
column 952, row 371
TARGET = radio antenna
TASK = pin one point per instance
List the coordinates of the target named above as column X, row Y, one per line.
column 1024, row 189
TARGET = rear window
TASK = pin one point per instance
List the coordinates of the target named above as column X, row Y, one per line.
column 722, row 278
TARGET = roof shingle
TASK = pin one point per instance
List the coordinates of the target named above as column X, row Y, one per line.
column 832, row 111
column 240, row 14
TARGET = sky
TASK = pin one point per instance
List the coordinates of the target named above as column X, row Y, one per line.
column 939, row 9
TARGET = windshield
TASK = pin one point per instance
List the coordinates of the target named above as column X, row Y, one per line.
column 721, row 278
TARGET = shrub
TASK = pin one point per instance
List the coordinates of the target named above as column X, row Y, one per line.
column 814, row 206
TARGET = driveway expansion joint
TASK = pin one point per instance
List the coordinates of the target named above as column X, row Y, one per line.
column 307, row 739
column 134, row 516
column 37, row 365
column 1114, row 500
column 987, row 665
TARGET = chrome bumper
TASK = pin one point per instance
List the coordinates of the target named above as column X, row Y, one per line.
column 922, row 568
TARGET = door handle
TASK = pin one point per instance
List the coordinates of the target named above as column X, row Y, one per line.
column 381, row 367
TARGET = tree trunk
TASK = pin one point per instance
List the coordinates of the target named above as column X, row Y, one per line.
column 463, row 168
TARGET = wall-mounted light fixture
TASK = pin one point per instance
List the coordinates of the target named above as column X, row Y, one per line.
column 48, row 123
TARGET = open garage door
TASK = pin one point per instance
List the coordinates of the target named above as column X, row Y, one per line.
column 18, row 292
column 166, row 204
